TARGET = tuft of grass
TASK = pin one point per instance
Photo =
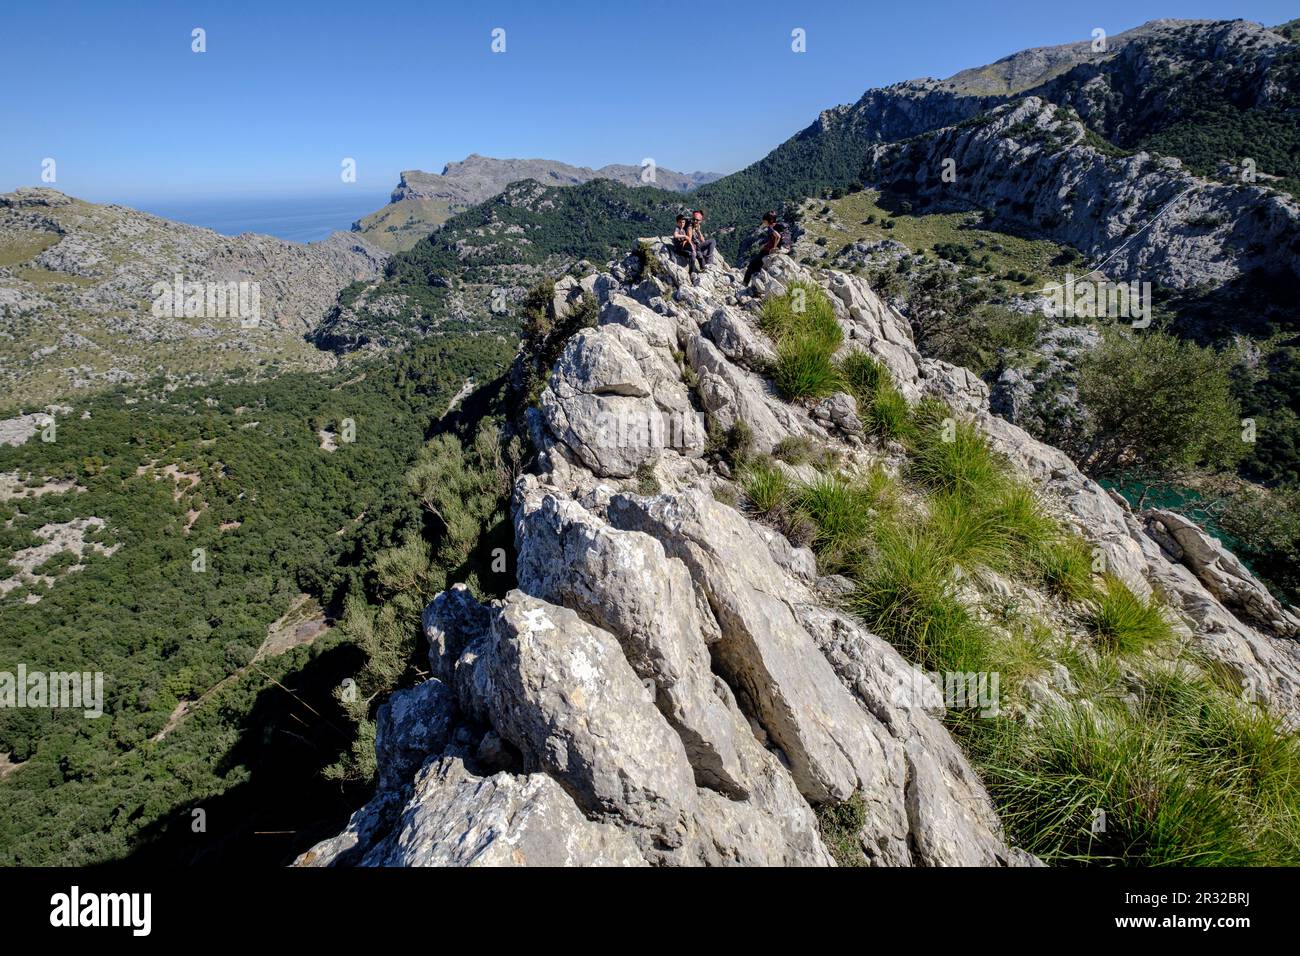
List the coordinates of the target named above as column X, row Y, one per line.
column 842, row 512
column 1022, row 526
column 952, row 456
column 881, row 406
column 802, row 323
column 799, row 450
column 1123, row 622
column 804, row 369
column 862, row 374
column 889, row 415
column 1064, row 564
column 1187, row 777
column 803, row 309
column 904, row 593
column 766, row 487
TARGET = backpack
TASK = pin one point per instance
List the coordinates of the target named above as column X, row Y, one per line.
column 786, row 244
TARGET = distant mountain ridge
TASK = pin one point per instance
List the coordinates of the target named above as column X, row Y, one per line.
column 423, row 201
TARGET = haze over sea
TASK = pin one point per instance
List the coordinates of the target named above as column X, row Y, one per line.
column 296, row 218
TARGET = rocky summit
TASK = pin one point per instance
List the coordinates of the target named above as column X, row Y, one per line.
column 674, row 682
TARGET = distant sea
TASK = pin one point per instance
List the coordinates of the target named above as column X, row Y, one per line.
column 297, row 218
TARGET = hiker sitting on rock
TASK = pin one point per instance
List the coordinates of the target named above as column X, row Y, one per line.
column 703, row 247
column 773, row 239
column 682, row 241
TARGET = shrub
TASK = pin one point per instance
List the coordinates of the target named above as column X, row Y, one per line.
column 1152, row 401
column 841, row 829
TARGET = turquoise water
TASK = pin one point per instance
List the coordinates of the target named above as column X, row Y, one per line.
column 1185, row 501
column 296, row 218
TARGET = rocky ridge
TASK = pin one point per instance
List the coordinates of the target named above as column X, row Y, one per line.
column 423, row 201
column 673, row 683
column 1139, row 218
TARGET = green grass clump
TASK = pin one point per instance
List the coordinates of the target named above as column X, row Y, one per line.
column 881, row 406
column 1186, row 776
column 1123, row 622
column 841, row 829
column 1064, row 564
column 904, row 593
column 804, row 369
column 952, row 456
column 842, row 512
column 803, row 309
column 802, row 323
column 800, row 450
column 766, row 487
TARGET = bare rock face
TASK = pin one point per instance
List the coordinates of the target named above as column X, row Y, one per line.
column 456, row 818
column 616, row 402
column 665, row 678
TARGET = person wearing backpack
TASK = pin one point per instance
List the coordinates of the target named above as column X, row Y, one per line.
column 773, row 239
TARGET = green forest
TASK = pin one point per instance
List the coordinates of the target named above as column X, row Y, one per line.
column 254, row 513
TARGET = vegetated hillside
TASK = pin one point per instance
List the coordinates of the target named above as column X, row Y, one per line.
column 763, row 547
column 76, row 297
column 473, row 271
column 423, row 201
column 180, row 541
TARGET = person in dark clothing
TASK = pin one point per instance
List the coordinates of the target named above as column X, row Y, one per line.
column 771, row 242
column 704, row 248
column 682, row 241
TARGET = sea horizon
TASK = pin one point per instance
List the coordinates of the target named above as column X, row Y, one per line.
column 294, row 218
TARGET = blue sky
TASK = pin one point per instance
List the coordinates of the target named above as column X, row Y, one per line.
column 287, row 90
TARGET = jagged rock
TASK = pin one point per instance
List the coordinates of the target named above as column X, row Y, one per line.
column 671, row 683
column 616, row 403
column 455, row 818
column 453, row 617
column 839, row 410
column 413, row 723
column 1220, row 571
column 732, row 395
column 738, row 340
column 832, row 748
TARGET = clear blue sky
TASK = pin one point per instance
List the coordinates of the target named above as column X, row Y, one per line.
column 286, row 90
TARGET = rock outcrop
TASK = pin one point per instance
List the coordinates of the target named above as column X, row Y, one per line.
column 672, row 683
